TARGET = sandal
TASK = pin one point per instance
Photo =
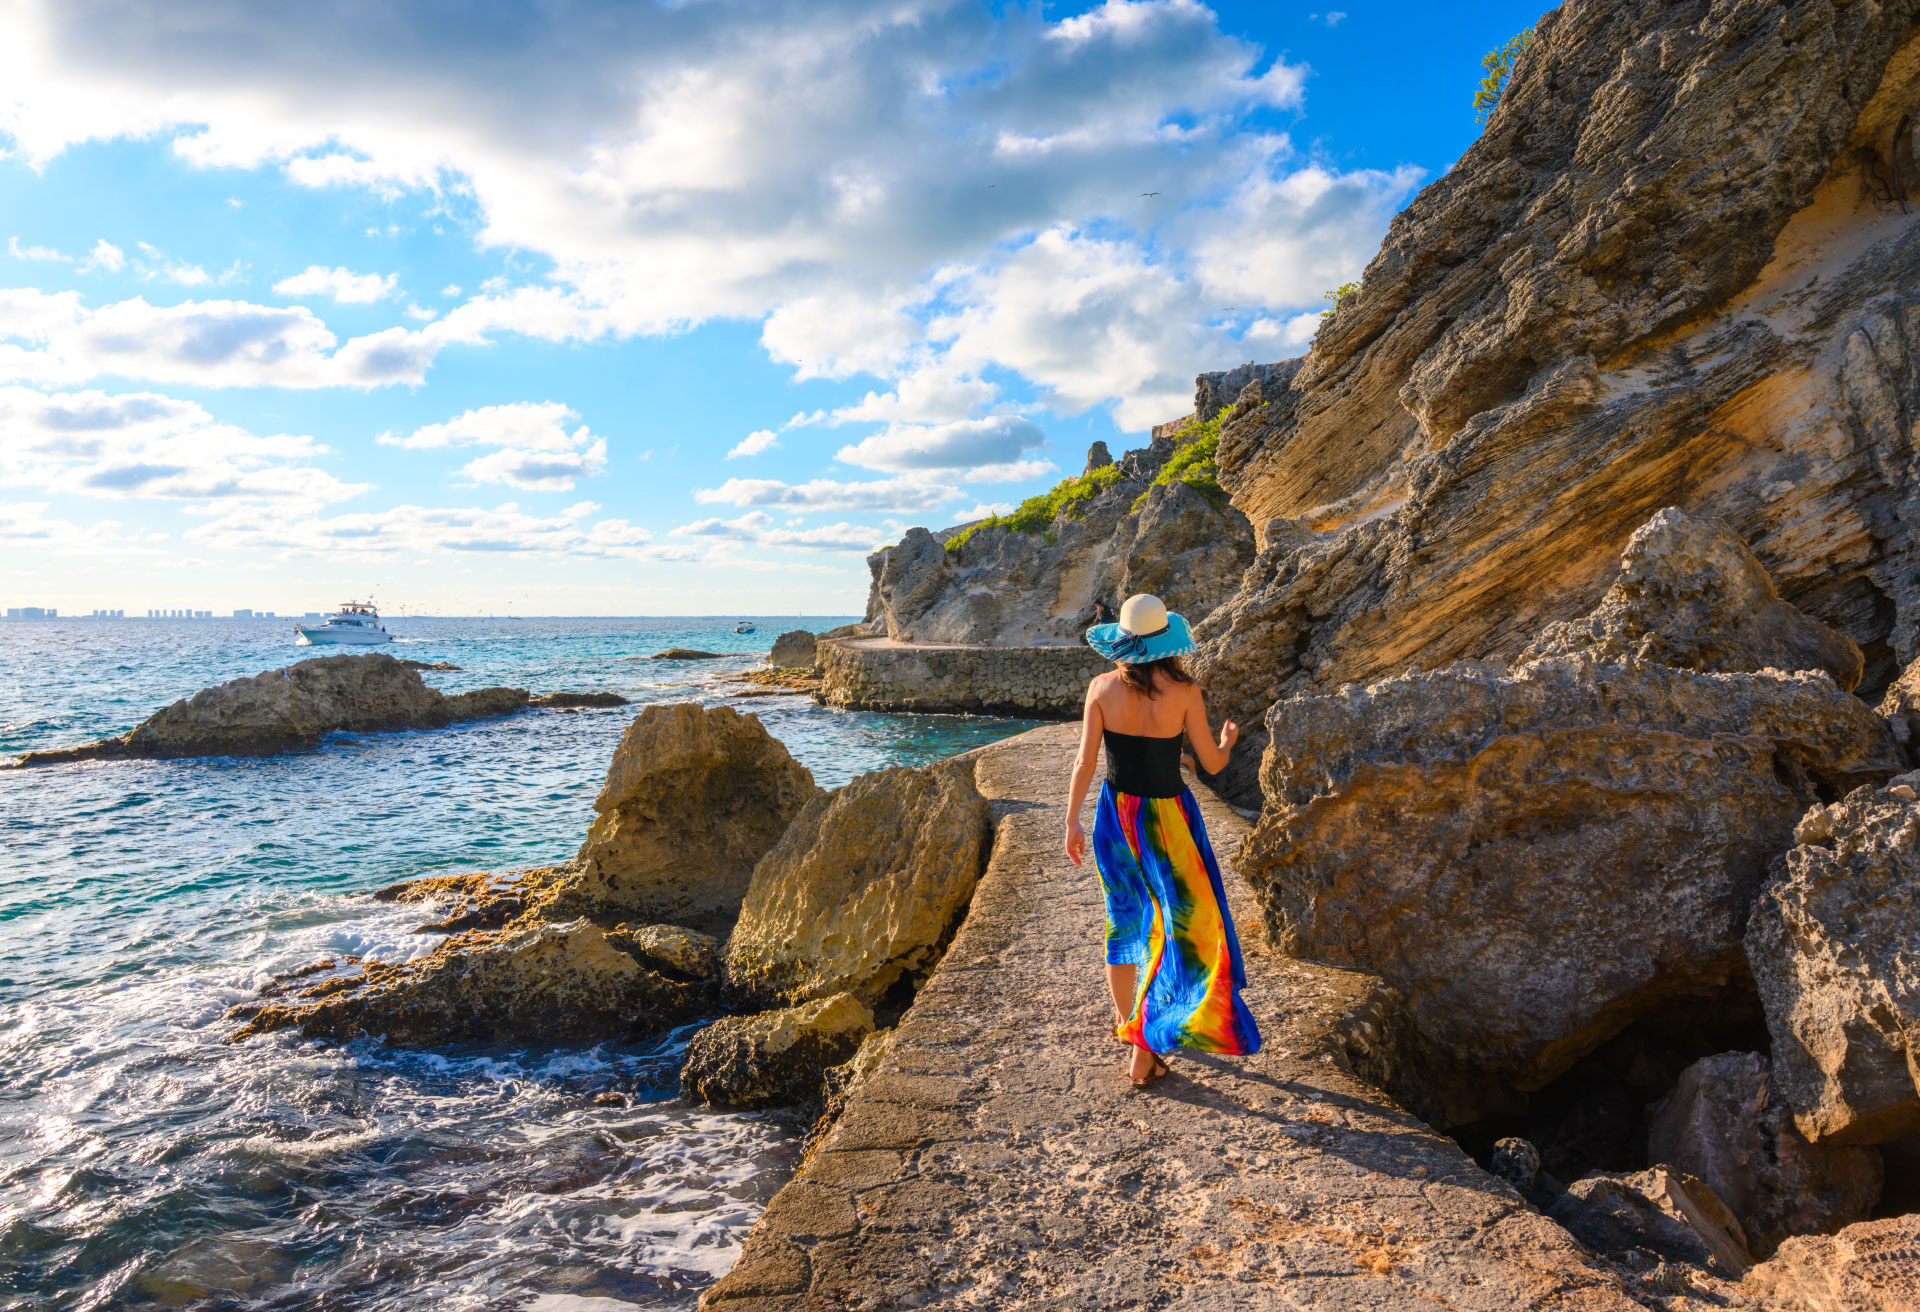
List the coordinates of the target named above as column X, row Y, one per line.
column 1160, row 1068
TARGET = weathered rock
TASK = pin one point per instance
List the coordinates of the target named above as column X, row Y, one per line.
column 558, row 700
column 484, row 900
column 289, row 709
column 534, row 979
column 1538, row 857
column 775, row 1058
column 1097, row 457
column 1012, row 589
column 1901, row 707
column 863, row 889
column 1834, row 945
column 1723, row 1125
column 1657, row 279
column 1691, row 595
column 693, row 798
column 1659, row 1212
column 1870, row 1267
column 683, row 654
column 793, row 650
column 673, row 950
column 429, row 665
column 877, row 675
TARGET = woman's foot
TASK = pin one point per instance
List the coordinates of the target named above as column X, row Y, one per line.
column 1145, row 1068
column 1118, row 1021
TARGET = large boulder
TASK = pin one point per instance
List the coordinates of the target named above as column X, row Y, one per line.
column 1656, row 279
column 1538, row 857
column 1690, row 594
column 1658, row 1213
column 775, row 1058
column 793, row 650
column 531, row 980
column 1723, row 1124
column 864, row 889
column 1870, row 1267
column 1834, row 945
column 694, row 797
column 294, row 707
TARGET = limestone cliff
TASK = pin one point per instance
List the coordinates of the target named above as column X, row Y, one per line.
column 1679, row 268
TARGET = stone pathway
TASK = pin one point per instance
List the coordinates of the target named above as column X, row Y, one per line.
column 999, row 1159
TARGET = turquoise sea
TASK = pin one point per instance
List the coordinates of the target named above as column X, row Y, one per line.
column 144, row 1162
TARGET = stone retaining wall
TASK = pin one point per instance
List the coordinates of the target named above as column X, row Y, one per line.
column 1037, row 681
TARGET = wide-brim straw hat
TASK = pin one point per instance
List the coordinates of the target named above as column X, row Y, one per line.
column 1147, row 631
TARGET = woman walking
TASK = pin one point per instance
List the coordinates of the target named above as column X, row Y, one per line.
column 1173, row 961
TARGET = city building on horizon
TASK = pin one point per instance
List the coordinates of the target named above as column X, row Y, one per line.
column 32, row 613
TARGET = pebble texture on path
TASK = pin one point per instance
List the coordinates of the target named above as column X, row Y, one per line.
column 999, row 1159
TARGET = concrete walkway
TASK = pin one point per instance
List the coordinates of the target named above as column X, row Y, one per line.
column 999, row 1159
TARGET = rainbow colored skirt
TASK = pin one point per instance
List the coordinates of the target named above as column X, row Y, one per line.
column 1167, row 914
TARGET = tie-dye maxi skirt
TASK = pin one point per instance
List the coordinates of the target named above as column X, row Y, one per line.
column 1167, row 914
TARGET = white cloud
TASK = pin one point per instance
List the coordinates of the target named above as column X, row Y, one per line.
column 754, row 443
column 105, row 255
column 503, row 530
column 53, row 338
column 343, row 285
column 1291, row 336
column 422, row 314
column 451, row 289
column 756, row 527
column 158, row 264
column 963, row 444
column 533, row 425
column 896, row 494
column 143, row 444
column 26, row 526
column 983, row 511
column 538, row 471
column 19, row 252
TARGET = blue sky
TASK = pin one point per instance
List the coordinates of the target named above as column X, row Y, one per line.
column 647, row 308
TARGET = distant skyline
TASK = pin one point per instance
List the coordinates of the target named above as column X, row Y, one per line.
column 629, row 309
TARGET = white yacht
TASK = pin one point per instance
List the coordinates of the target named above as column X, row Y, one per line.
column 355, row 624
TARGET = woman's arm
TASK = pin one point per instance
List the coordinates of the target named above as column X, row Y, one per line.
column 1091, row 725
column 1213, row 755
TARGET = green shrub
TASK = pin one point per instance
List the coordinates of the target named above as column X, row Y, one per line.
column 1036, row 514
column 1194, row 462
column 1499, row 65
column 1336, row 296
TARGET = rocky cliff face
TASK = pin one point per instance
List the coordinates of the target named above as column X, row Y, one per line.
column 1679, row 268
column 1007, row 588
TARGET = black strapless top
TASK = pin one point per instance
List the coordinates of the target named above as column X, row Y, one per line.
column 1144, row 766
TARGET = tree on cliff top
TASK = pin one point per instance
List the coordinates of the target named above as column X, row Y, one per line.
column 1499, row 65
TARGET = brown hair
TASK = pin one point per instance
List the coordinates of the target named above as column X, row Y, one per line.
column 1140, row 677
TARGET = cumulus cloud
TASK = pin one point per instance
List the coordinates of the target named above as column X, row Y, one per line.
column 343, row 285
column 19, row 252
column 54, row 338
column 157, row 264
column 895, row 494
column 754, row 443
column 26, row 526
column 143, row 444
column 756, row 527
column 104, row 255
column 853, row 174
column 538, row 471
column 505, row 529
column 961, row 446
column 537, row 452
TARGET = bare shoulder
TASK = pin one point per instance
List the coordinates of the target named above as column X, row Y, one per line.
column 1098, row 685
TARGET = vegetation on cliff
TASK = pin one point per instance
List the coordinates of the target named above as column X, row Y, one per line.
column 1036, row 514
column 1499, row 65
column 1194, row 463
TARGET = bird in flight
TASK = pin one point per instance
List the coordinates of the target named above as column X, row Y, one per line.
column 1149, row 193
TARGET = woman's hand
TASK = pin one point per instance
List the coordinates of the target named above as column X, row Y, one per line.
column 1229, row 735
column 1076, row 842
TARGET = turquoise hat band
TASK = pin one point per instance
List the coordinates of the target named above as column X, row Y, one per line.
column 1116, row 644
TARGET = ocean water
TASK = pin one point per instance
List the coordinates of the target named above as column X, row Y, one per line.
column 145, row 1162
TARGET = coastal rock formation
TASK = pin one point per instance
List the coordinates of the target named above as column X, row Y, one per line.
column 775, row 1058
column 863, row 889
column 1691, row 595
column 1656, row 280
column 569, row 700
column 1657, row 1213
column 534, row 979
column 793, row 650
column 289, row 709
column 1723, row 1124
column 681, row 654
column 1834, row 944
column 1538, row 857
column 871, row 674
column 693, row 798
column 1008, row 588
column 1870, row 1267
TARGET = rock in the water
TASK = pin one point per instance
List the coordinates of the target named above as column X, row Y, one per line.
column 1537, row 858
column 558, row 700
column 1870, row 1267
column 292, row 708
column 793, row 650
column 1835, row 948
column 1723, row 1124
column 775, row 1058
column 429, row 665
column 683, row 654
column 694, row 798
column 1659, row 1212
column 864, row 888
column 1690, row 594
column 1654, row 280
column 538, row 980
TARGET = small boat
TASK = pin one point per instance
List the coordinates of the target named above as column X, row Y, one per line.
column 355, row 624
column 744, row 626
